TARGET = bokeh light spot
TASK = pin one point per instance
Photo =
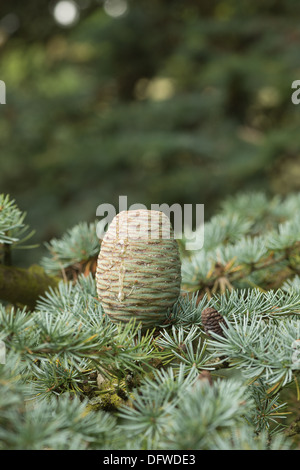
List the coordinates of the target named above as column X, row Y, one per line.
column 115, row 8
column 66, row 12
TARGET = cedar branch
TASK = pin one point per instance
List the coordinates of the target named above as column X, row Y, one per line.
column 24, row 286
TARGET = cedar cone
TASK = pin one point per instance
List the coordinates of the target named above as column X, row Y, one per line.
column 211, row 321
column 204, row 376
column 139, row 269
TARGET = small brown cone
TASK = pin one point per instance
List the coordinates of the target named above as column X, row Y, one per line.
column 205, row 376
column 211, row 321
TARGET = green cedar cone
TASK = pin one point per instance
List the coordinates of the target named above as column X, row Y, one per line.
column 139, row 269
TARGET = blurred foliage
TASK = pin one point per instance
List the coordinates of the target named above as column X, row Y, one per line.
column 169, row 102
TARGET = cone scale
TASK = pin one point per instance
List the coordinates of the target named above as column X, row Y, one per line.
column 138, row 269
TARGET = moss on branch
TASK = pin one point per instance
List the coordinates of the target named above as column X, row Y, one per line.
column 24, row 286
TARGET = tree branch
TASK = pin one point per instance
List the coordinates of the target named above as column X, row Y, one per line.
column 24, row 286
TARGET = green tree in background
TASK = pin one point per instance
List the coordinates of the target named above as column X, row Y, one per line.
column 162, row 101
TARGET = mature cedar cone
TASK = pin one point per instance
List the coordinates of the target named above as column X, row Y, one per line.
column 211, row 321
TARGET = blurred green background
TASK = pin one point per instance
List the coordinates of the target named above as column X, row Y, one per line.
column 162, row 101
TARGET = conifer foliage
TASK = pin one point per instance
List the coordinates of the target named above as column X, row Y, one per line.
column 71, row 379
